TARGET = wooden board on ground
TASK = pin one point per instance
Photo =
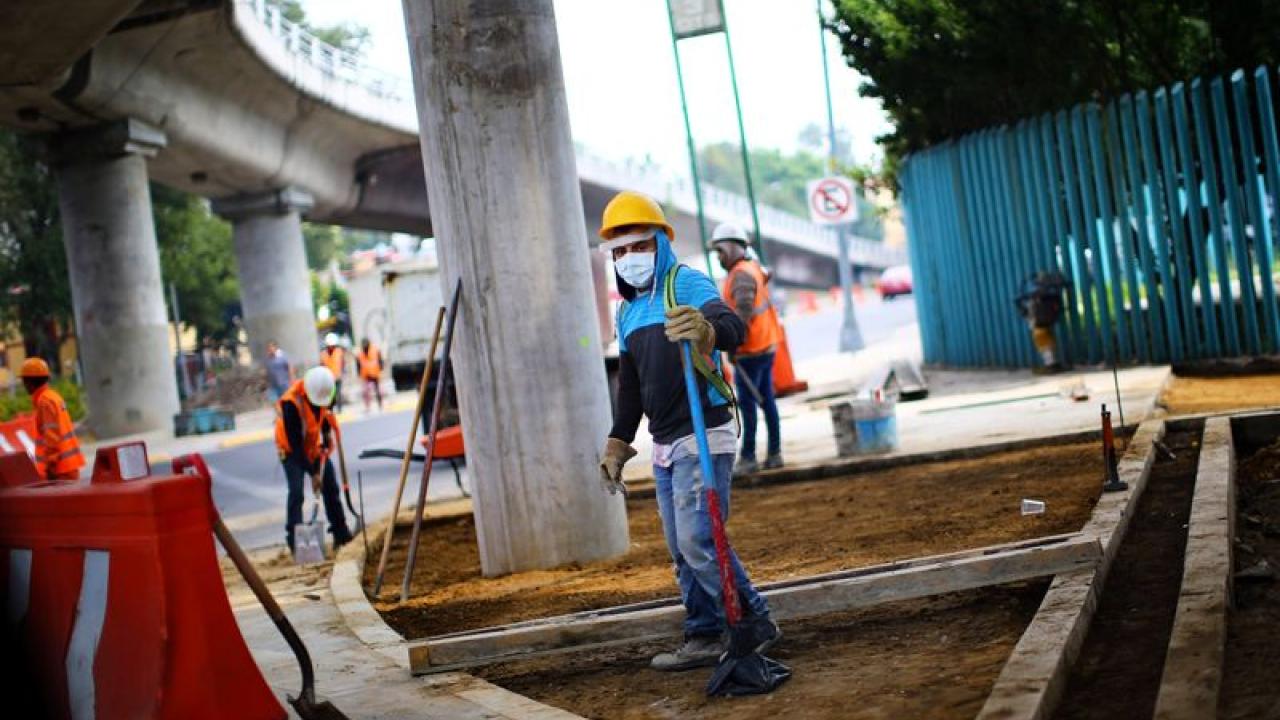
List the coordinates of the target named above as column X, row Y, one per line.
column 792, row 599
column 1193, row 662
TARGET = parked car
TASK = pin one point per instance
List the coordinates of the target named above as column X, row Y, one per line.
column 895, row 281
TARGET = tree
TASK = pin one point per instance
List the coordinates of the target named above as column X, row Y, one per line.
column 943, row 68
column 35, row 290
column 197, row 256
column 352, row 37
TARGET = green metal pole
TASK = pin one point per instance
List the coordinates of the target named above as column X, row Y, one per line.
column 742, row 140
column 693, row 152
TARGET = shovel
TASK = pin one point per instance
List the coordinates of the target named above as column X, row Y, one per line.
column 742, row 669
column 305, row 704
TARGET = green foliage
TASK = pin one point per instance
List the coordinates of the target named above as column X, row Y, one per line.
column 348, row 36
column 947, row 67
column 19, row 401
column 196, row 255
column 35, row 291
column 323, row 243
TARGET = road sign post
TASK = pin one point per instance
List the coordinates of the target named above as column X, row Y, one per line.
column 832, row 202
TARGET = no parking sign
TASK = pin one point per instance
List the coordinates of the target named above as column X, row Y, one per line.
column 831, row 201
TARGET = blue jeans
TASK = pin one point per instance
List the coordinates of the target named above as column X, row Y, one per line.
column 760, row 369
column 682, row 503
column 295, row 475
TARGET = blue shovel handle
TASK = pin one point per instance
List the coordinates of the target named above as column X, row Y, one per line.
column 732, row 610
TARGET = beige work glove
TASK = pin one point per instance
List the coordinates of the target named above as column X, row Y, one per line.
column 684, row 322
column 616, row 454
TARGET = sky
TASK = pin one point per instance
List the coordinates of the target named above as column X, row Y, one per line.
column 620, row 77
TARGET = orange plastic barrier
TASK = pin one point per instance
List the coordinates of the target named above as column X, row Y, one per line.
column 19, row 435
column 784, row 375
column 116, row 597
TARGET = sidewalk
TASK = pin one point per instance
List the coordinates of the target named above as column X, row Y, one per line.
column 358, row 680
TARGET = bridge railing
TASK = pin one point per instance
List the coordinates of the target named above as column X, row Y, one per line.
column 332, row 61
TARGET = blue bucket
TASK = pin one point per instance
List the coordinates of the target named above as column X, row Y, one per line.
column 877, row 425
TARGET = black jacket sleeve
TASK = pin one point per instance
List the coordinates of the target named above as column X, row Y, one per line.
column 731, row 332
column 293, row 431
column 628, row 409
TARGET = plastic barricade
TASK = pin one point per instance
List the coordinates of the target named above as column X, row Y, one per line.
column 19, row 435
column 115, row 597
column 784, row 375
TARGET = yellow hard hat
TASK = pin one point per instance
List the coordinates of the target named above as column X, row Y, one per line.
column 34, row 368
column 631, row 208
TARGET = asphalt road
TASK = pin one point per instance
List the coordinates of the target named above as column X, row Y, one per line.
column 249, row 485
column 818, row 334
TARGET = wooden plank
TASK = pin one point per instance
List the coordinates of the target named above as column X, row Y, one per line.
column 788, row 600
column 1194, row 660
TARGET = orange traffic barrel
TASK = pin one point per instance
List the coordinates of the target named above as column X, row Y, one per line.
column 115, row 596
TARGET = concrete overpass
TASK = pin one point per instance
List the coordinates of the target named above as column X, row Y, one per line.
column 226, row 99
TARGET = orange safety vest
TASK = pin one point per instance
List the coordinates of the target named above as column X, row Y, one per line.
column 312, row 424
column 58, row 454
column 370, row 363
column 763, row 331
column 332, row 359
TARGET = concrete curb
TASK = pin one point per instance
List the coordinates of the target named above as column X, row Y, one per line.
column 367, row 625
column 1035, row 675
column 1194, row 659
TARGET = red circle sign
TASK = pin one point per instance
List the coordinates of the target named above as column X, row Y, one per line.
column 831, row 199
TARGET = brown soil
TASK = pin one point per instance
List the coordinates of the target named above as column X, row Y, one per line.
column 1189, row 395
column 781, row 531
column 1117, row 674
column 931, row 658
column 1249, row 688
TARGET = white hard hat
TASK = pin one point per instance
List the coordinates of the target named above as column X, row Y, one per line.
column 331, row 339
column 729, row 231
column 318, row 382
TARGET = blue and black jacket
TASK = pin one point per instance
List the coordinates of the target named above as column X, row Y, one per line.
column 650, row 379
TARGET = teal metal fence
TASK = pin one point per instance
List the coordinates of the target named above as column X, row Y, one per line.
column 1160, row 210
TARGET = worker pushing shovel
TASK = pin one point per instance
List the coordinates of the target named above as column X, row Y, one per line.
column 694, row 442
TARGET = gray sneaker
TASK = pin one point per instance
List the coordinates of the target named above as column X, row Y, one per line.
column 773, row 462
column 745, row 466
column 699, row 651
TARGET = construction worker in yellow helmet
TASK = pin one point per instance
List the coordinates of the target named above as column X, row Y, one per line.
column 665, row 303
column 58, row 454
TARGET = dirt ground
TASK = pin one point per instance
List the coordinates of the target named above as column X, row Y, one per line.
column 931, row 658
column 1249, row 688
column 1117, row 675
column 1189, row 395
column 780, row 531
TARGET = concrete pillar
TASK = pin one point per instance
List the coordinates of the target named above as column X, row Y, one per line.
column 275, row 286
column 114, row 267
column 507, row 211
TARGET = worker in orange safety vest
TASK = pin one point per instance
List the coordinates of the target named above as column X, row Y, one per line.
column 369, row 360
column 334, row 357
column 58, row 454
column 746, row 291
column 305, row 435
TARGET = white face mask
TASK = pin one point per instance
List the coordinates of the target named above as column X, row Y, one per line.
column 636, row 268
